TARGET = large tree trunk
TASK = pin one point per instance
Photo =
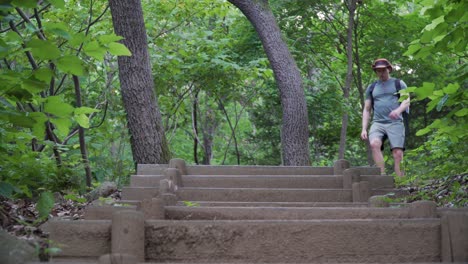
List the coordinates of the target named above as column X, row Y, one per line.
column 144, row 119
column 349, row 77
column 294, row 133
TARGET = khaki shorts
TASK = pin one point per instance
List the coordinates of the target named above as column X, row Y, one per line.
column 395, row 132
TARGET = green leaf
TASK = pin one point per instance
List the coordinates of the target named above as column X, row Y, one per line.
column 427, row 37
column 58, row 3
column 25, row 3
column 118, row 49
column 431, row 105
column 39, row 124
column 6, row 190
column 424, row 91
column 413, row 49
column 33, row 85
column 62, row 124
column 56, row 106
column 455, row 14
column 95, row 50
column 451, row 88
column 77, row 39
column 109, row 38
column 44, row 74
column 423, row 131
column 82, row 120
column 462, row 112
column 17, row 118
column 85, row 110
column 75, row 198
column 45, row 204
column 43, row 49
column 434, row 23
column 58, row 28
column 440, row 31
column 71, row 64
column 13, row 37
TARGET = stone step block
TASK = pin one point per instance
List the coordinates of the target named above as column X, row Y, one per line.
column 158, row 169
column 151, row 169
column 60, row 260
column 294, row 241
column 139, row 193
column 379, row 182
column 79, row 239
column 271, row 204
column 282, row 213
column 257, row 170
column 97, row 212
column 217, row 262
column 391, row 192
column 280, row 181
column 263, row 181
column 264, row 195
column 146, row 180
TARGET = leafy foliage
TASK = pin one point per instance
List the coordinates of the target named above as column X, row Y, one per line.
column 41, row 47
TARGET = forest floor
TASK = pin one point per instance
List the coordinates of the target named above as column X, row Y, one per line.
column 19, row 217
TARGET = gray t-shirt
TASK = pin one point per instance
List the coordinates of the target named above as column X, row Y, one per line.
column 385, row 100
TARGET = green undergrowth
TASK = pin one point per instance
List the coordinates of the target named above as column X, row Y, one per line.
column 448, row 191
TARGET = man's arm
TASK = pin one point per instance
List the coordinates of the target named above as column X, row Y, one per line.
column 395, row 114
column 365, row 118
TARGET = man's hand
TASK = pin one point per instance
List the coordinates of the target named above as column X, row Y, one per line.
column 364, row 134
column 395, row 114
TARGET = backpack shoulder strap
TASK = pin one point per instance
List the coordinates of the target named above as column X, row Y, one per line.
column 371, row 89
column 398, row 87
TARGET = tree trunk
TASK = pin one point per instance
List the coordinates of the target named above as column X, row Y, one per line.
column 195, row 126
column 294, row 134
column 349, row 78
column 209, row 127
column 144, row 118
column 81, row 135
column 359, row 84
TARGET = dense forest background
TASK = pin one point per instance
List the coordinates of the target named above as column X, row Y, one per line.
column 64, row 127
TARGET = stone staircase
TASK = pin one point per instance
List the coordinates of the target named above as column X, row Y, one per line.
column 179, row 213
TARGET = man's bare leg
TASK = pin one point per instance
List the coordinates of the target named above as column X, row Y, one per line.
column 398, row 157
column 377, row 155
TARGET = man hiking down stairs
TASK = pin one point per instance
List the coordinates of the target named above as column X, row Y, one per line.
column 387, row 122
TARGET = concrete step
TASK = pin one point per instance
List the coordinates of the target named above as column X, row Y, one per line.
column 272, row 204
column 146, row 180
column 139, row 193
column 151, row 169
column 298, row 241
column 279, row 181
column 308, row 262
column 100, row 212
column 282, row 213
column 158, row 169
column 78, row 261
column 263, row 181
column 54, row 260
column 397, row 193
column 262, row 241
column 79, row 239
column 264, row 195
column 379, row 182
column 257, row 170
